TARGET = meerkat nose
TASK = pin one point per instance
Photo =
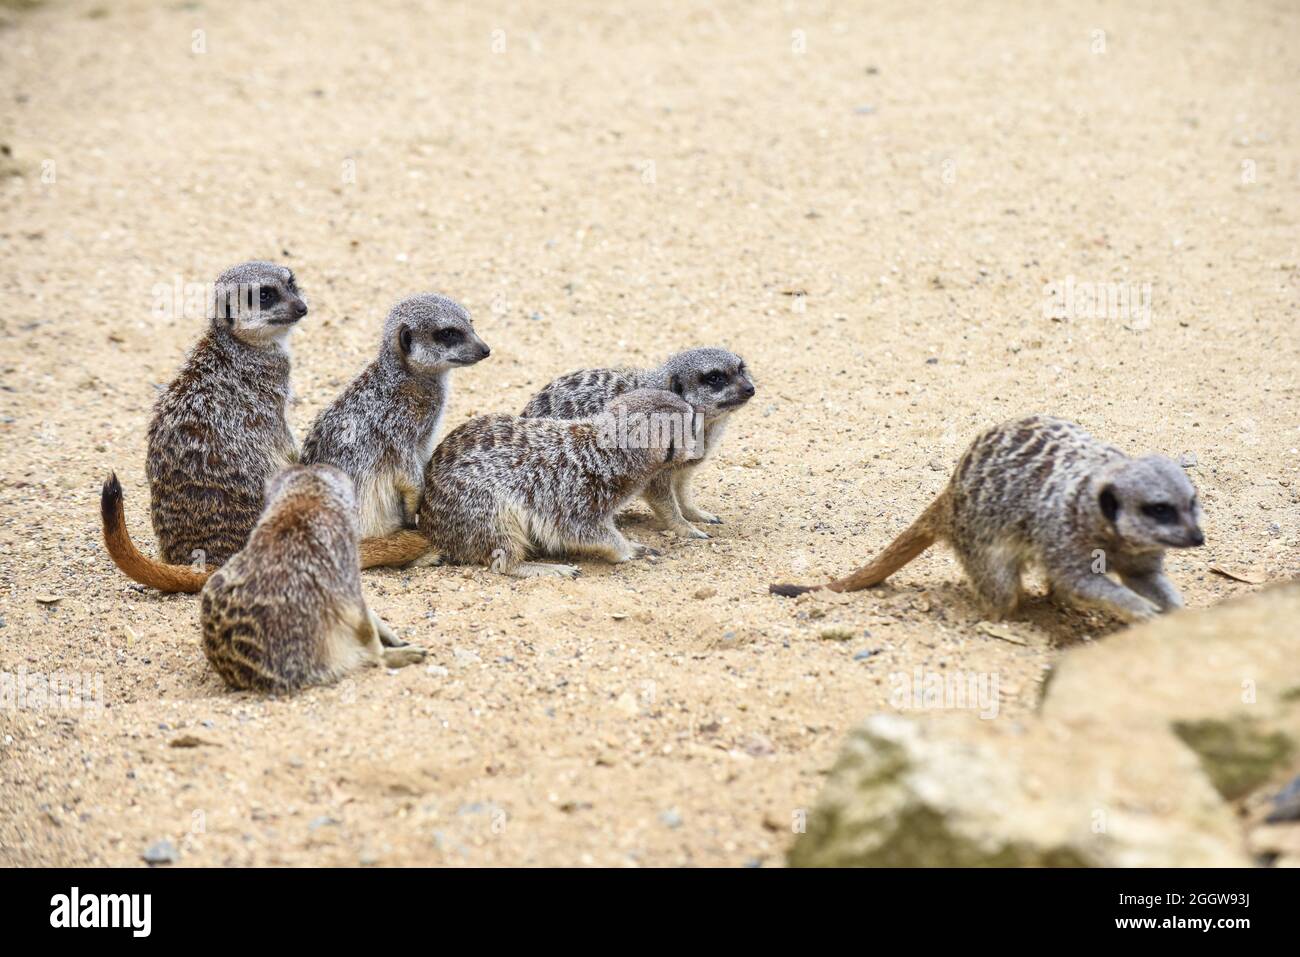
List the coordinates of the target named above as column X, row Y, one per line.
column 300, row 309
column 1197, row 537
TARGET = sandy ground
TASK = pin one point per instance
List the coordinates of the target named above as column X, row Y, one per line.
column 866, row 205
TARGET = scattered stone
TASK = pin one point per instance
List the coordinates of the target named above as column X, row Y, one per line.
column 1166, row 723
column 1188, row 460
column 837, row 634
column 189, row 741
column 707, row 592
column 671, row 818
column 317, row 823
column 163, row 852
column 1286, row 804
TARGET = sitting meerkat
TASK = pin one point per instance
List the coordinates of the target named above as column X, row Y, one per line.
column 287, row 611
column 219, row 431
column 1043, row 490
column 714, row 381
column 381, row 430
column 500, row 490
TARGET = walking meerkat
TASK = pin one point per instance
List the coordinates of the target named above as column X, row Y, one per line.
column 1043, row 490
column 287, row 611
column 714, row 382
column 219, row 431
column 500, row 490
column 381, row 430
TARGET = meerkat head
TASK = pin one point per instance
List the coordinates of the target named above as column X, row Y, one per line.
column 257, row 302
column 1151, row 504
column 713, row 381
column 429, row 334
column 652, row 419
column 324, row 481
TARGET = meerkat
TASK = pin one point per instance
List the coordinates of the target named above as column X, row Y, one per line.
column 1043, row 490
column 501, row 490
column 219, row 431
column 714, row 382
column 381, row 430
column 287, row 611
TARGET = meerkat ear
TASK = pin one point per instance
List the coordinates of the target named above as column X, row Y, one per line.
column 404, row 339
column 1109, row 503
column 675, row 385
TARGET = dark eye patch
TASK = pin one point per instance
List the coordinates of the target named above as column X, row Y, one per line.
column 715, row 379
column 448, row 336
column 1161, row 512
column 268, row 297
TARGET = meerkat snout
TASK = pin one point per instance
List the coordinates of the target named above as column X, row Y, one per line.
column 1151, row 504
column 431, row 334
column 711, row 380
column 258, row 302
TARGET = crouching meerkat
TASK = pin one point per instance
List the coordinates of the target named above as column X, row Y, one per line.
column 287, row 611
column 714, row 382
column 501, row 490
column 219, row 432
column 381, row 430
column 1043, row 490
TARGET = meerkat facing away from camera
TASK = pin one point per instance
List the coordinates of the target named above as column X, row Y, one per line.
column 714, row 382
column 1043, row 490
column 219, row 431
column 501, row 490
column 381, row 430
column 287, row 611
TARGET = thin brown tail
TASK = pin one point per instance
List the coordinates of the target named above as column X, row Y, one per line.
column 399, row 548
column 138, row 566
column 919, row 536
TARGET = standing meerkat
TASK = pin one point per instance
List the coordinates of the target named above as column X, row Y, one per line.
column 287, row 611
column 714, row 382
column 381, row 430
column 500, row 490
column 219, row 431
column 1043, row 490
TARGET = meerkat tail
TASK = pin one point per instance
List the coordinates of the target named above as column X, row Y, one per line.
column 138, row 566
column 400, row 548
column 919, row 536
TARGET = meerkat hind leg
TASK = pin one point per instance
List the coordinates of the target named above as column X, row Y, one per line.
column 392, row 657
column 686, row 500
column 387, row 637
column 995, row 575
column 609, row 544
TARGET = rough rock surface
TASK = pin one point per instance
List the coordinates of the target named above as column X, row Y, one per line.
column 1141, row 741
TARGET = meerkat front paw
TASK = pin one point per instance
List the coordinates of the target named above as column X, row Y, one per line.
column 696, row 515
column 644, row 551
column 403, row 656
column 544, row 570
column 387, row 637
column 686, row 530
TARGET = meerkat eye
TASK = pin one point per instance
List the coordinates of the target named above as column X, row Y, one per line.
column 267, row 297
column 1161, row 513
column 448, row 336
column 715, row 379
